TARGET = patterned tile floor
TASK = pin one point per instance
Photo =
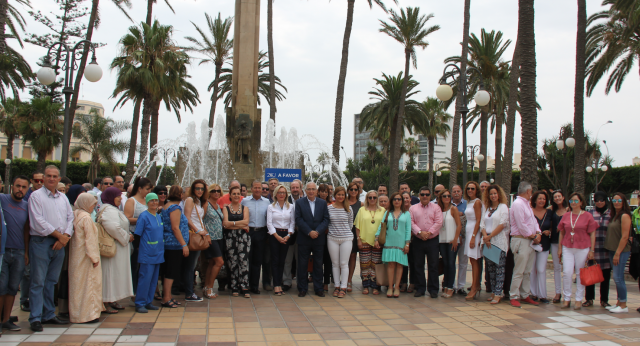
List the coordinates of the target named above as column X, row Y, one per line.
column 355, row 320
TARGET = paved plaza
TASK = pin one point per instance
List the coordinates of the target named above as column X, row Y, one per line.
column 354, row 320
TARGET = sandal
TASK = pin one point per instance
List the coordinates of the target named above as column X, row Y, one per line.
column 588, row 303
column 376, row 292
column 389, row 292
column 117, row 306
column 396, row 293
column 496, row 300
column 342, row 293
column 208, row 292
column 175, row 302
column 556, row 300
column 336, row 291
column 349, row 287
column 246, row 293
column 365, row 291
column 157, row 296
column 169, row 304
column 410, row 288
column 236, row 294
column 403, row 288
column 108, row 311
column 565, row 305
column 604, row 304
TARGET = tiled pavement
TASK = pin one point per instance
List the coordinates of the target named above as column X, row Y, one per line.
column 355, row 320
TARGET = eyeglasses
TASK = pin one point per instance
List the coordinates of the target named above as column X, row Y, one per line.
column 161, row 193
column 199, row 189
column 397, row 199
column 39, row 181
column 617, row 200
column 425, row 194
column 108, row 184
column 372, row 198
column 471, row 189
column 600, row 200
column 265, row 189
column 446, row 196
column 215, row 191
column 281, row 193
column 355, row 190
column 574, row 201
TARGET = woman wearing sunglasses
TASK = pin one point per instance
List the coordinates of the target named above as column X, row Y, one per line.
column 559, row 207
column 353, row 198
column 367, row 222
column 601, row 214
column 473, row 237
column 213, row 224
column 578, row 239
column 617, row 243
column 194, row 211
column 449, row 239
column 162, row 192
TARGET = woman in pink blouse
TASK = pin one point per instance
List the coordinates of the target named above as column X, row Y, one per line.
column 578, row 241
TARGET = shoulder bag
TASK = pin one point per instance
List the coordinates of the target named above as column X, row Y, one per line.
column 106, row 242
column 382, row 238
column 198, row 242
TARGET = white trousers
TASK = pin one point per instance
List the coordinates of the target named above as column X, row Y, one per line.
column 463, row 260
column 288, row 263
column 572, row 261
column 340, row 251
column 557, row 268
column 538, row 275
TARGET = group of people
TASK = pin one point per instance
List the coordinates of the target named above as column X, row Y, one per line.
column 91, row 246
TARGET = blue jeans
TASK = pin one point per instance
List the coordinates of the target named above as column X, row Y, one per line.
column 46, row 264
column 189, row 272
column 449, row 260
column 25, row 284
column 11, row 272
column 147, row 282
column 618, row 274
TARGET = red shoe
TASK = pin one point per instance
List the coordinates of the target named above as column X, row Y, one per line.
column 528, row 300
column 515, row 303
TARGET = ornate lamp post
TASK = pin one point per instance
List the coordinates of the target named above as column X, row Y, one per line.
column 560, row 144
column 66, row 59
column 7, row 175
column 444, row 92
column 473, row 149
column 438, row 173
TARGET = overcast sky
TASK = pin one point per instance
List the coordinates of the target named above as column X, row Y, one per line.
column 308, row 43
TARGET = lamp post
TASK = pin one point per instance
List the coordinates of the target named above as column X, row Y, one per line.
column 597, row 157
column 7, row 175
column 473, row 149
column 560, row 144
column 444, row 92
column 438, row 173
column 65, row 59
column 165, row 153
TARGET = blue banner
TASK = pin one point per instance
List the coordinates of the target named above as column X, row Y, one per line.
column 283, row 175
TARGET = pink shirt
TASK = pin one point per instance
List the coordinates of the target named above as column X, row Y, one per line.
column 583, row 227
column 522, row 220
column 426, row 218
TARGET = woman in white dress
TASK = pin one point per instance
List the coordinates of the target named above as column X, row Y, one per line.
column 495, row 227
column 116, row 271
column 194, row 211
column 472, row 247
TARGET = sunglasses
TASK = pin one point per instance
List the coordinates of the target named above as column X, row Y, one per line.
column 355, row 190
column 108, row 184
column 373, row 198
column 265, row 189
column 446, row 196
column 397, row 199
column 617, row 200
column 471, row 189
column 574, row 201
column 215, row 191
column 199, row 189
column 161, row 193
column 39, row 181
column 600, row 200
column 425, row 194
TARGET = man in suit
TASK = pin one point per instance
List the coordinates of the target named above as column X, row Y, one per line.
column 312, row 221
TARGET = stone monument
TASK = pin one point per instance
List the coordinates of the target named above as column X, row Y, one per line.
column 244, row 117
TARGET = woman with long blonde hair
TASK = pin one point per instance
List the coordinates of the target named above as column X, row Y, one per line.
column 281, row 223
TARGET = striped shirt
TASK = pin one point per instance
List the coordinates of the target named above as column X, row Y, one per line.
column 340, row 222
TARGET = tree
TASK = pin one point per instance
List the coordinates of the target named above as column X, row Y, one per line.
column 578, row 97
column 272, row 73
column 97, row 136
column 218, row 49
column 15, row 73
column 437, row 125
column 411, row 148
column 9, row 14
column 342, row 76
column 150, row 4
column 512, row 104
column 42, row 127
column 408, row 28
column 10, row 120
column 528, row 109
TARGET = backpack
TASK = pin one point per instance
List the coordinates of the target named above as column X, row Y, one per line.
column 106, row 242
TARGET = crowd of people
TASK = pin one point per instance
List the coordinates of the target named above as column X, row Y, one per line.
column 86, row 248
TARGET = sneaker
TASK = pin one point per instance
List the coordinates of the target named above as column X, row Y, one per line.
column 152, row 307
column 528, row 300
column 612, row 307
column 619, row 310
column 142, row 310
column 515, row 303
column 11, row 326
column 193, row 298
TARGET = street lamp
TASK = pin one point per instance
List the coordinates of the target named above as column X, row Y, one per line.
column 473, row 149
column 7, row 174
column 444, row 92
column 66, row 57
column 560, row 144
column 438, row 173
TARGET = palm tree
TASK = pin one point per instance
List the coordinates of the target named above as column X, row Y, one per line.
column 512, row 103
column 379, row 117
column 272, row 72
column 15, row 73
column 411, row 148
column 42, row 127
column 10, row 122
column 150, row 4
column 337, row 125
column 437, row 126
column 9, row 14
column 218, row 49
column 408, row 28
column 486, row 57
column 528, row 109
column 97, row 137
column 578, row 97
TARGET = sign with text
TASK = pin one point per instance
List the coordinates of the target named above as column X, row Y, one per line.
column 283, row 175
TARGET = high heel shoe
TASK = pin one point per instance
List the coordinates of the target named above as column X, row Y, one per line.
column 492, row 296
column 472, row 295
column 396, row 293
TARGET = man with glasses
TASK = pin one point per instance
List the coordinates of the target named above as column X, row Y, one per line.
column 360, row 183
column 106, row 183
column 265, row 190
column 258, row 232
column 463, row 260
column 426, row 221
column 437, row 191
column 273, row 182
column 404, row 187
column 382, row 190
column 37, row 179
column 524, row 231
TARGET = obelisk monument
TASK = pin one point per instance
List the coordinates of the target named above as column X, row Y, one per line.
column 244, row 117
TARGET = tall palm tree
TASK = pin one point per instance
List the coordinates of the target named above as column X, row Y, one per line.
column 217, row 48
column 408, row 28
column 150, row 4
column 512, row 104
column 97, row 136
column 412, row 149
column 42, row 127
column 379, row 116
column 486, row 57
column 528, row 109
column 10, row 120
column 342, row 76
column 272, row 73
column 15, row 73
column 437, row 126
column 578, row 97
column 9, row 14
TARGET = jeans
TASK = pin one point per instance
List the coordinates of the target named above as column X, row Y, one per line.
column 572, row 261
column 189, row 272
column 11, row 272
column 449, row 259
column 618, row 274
column 539, row 275
column 463, row 261
column 524, row 256
column 46, row 264
column 147, row 282
column 340, row 251
column 25, row 285
column 278, row 256
column 256, row 256
column 430, row 249
column 557, row 270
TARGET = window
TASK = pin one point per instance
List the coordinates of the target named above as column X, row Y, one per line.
column 26, row 153
column 75, row 157
column 4, row 152
column 81, row 108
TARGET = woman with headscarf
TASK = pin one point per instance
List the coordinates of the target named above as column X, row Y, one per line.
column 85, row 272
column 116, row 271
column 601, row 214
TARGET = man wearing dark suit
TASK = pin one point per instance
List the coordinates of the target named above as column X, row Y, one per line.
column 312, row 221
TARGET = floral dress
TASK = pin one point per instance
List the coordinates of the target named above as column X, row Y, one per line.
column 238, row 244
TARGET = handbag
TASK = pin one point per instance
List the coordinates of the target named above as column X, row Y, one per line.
column 591, row 275
column 106, row 242
column 381, row 275
column 198, row 242
column 382, row 238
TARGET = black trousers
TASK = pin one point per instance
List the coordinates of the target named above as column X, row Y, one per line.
column 408, row 274
column 508, row 270
column 604, row 288
column 278, row 255
column 256, row 255
column 266, row 262
column 304, row 251
column 431, row 250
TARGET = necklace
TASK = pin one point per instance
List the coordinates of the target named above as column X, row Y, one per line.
column 373, row 216
column 573, row 224
column 395, row 221
column 234, row 211
column 492, row 210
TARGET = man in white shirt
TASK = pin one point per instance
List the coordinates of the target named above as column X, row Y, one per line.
column 360, row 183
column 51, row 221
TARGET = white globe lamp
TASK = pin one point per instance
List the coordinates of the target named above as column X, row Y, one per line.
column 604, row 168
column 93, row 72
column 156, row 159
column 438, row 173
column 482, row 98
column 491, row 180
column 480, row 157
column 571, row 142
column 444, row 92
column 589, row 169
column 46, row 75
column 7, row 161
column 560, row 144
column 174, row 159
